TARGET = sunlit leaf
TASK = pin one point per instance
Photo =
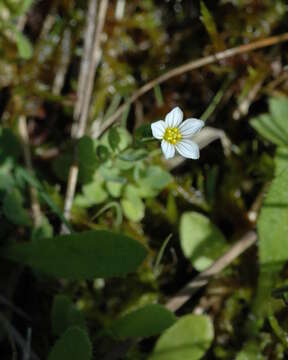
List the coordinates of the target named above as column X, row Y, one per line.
column 189, row 338
column 201, row 241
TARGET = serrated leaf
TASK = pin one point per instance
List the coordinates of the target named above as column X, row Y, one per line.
column 189, row 338
column 84, row 255
column 74, row 344
column 201, row 241
column 147, row 321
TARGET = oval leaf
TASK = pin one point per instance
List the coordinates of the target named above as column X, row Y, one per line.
column 74, row 344
column 201, row 241
column 64, row 315
column 85, row 255
column 189, row 338
column 148, row 321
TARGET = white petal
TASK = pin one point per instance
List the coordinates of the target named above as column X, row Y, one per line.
column 174, row 117
column 190, row 127
column 168, row 149
column 188, row 149
column 158, row 129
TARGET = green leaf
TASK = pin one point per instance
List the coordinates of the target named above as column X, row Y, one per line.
column 30, row 179
column 133, row 154
column 64, row 315
column 189, row 338
column 147, row 321
column 201, row 241
column 14, row 210
column 266, row 126
column 45, row 229
column 273, row 222
column 250, row 352
column 210, row 26
column 9, row 145
column 133, row 206
column 114, row 188
column 113, row 138
column 87, row 159
column 93, row 194
column 74, row 344
column 155, row 177
column 24, row 46
column 85, row 255
column 281, row 160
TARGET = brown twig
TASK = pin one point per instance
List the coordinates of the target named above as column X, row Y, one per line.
column 191, row 65
column 202, row 279
column 86, row 82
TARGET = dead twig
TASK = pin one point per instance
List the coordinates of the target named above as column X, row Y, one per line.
column 191, row 65
column 203, row 278
column 88, row 68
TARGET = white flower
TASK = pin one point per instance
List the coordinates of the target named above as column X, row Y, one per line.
column 176, row 134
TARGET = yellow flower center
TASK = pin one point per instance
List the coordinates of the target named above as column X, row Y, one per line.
column 172, row 135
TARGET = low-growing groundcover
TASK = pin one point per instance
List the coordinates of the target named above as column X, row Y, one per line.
column 113, row 245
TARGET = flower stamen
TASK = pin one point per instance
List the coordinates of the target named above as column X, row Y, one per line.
column 172, row 135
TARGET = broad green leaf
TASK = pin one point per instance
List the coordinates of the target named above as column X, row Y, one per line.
column 147, row 321
column 84, row 255
column 24, row 46
column 279, row 110
column 201, row 241
column 92, row 194
column 274, row 126
column 14, row 210
column 64, row 315
column 273, row 222
column 74, row 344
column 133, row 206
column 281, row 160
column 267, row 127
column 189, row 338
